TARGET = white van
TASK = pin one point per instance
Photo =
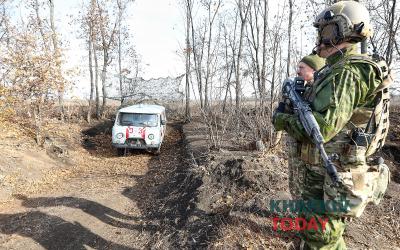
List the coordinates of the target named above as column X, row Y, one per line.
column 139, row 126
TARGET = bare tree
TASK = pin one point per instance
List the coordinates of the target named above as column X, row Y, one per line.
column 39, row 23
column 91, row 50
column 257, row 40
column 33, row 72
column 386, row 23
column 4, row 20
column 211, row 18
column 290, row 22
column 96, row 75
column 121, row 7
column 89, row 28
column 252, row 44
column 108, row 30
column 188, row 50
column 107, row 40
column 57, row 56
column 198, row 52
column 205, row 42
column 229, row 54
column 243, row 11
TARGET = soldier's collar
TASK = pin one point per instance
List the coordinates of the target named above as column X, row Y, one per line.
column 339, row 55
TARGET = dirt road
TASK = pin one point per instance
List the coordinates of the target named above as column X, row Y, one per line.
column 106, row 202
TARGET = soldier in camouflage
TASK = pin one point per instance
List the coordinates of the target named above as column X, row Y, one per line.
column 350, row 100
column 308, row 65
column 305, row 69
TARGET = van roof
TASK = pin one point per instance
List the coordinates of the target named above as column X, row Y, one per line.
column 143, row 108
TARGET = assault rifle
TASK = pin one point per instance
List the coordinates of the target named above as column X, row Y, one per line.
column 292, row 89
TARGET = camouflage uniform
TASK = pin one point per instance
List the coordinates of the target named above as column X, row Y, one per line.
column 296, row 167
column 341, row 99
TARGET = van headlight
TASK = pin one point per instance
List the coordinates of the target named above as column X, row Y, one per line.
column 150, row 136
column 120, row 135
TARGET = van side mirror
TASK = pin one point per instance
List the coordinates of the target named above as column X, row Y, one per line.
column 163, row 122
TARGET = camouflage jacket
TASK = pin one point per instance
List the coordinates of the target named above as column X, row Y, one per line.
column 336, row 96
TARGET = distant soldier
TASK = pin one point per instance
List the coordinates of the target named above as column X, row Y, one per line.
column 308, row 65
column 350, row 101
column 306, row 68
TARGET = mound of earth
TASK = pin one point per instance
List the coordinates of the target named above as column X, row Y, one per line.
column 230, row 193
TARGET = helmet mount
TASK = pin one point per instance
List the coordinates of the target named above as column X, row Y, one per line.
column 344, row 21
column 329, row 15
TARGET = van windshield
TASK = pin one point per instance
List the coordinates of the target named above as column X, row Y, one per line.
column 139, row 120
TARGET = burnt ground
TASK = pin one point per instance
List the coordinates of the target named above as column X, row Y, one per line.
column 187, row 197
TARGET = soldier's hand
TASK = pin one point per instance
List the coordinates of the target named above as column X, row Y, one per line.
column 279, row 110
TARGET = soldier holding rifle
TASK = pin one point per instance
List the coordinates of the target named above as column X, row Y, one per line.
column 349, row 106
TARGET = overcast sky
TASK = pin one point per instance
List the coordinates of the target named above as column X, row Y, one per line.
column 155, row 28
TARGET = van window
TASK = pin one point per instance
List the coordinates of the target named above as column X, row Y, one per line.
column 139, row 120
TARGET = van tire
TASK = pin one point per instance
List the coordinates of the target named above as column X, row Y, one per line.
column 157, row 151
column 121, row 151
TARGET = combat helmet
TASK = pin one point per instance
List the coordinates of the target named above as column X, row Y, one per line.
column 344, row 21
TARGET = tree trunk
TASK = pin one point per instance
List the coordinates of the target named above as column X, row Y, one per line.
column 107, row 47
column 229, row 72
column 103, row 83
column 264, row 58
column 243, row 19
column 392, row 34
column 289, row 36
column 119, row 61
column 188, row 51
column 60, row 87
column 275, row 55
column 96, row 81
column 208, row 62
column 38, row 124
column 89, row 114
column 238, row 83
column 39, row 23
column 197, row 61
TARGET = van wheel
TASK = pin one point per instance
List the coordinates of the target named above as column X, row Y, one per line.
column 121, row 151
column 157, row 151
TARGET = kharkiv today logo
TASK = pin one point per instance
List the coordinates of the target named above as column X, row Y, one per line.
column 302, row 208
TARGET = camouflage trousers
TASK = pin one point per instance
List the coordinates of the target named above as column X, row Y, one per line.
column 296, row 169
column 331, row 236
column 306, row 182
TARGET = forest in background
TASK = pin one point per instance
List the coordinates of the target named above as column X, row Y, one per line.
column 231, row 47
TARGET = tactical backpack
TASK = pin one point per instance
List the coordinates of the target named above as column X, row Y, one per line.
column 368, row 126
column 374, row 135
column 364, row 185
